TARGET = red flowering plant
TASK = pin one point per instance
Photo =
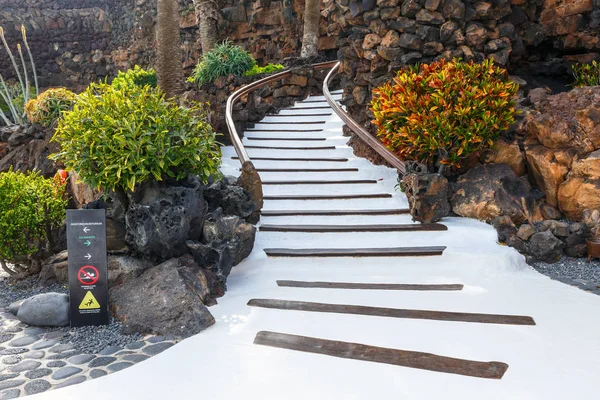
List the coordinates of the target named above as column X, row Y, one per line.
column 440, row 113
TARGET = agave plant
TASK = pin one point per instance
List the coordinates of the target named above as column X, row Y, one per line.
column 10, row 96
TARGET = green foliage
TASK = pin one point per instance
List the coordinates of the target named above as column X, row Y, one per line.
column 223, row 60
column 48, row 106
column 587, row 74
column 136, row 76
column 18, row 99
column 30, row 207
column 444, row 111
column 267, row 69
column 117, row 139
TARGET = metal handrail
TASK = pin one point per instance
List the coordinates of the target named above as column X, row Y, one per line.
column 362, row 133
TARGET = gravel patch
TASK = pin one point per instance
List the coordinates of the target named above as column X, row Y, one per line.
column 95, row 339
column 14, row 291
column 573, row 271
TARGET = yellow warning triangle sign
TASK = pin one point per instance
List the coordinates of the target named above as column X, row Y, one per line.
column 89, row 302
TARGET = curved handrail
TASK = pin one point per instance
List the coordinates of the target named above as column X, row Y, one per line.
column 362, row 133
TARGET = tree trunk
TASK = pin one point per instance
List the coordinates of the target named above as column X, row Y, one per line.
column 169, row 64
column 207, row 16
column 312, row 16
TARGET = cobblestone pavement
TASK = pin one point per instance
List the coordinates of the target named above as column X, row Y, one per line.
column 34, row 360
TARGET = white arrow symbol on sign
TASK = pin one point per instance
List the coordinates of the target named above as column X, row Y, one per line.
column 86, row 229
column 88, row 256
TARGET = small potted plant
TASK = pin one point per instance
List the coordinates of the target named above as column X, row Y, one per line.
column 592, row 220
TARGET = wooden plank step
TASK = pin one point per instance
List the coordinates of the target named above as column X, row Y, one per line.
column 296, row 115
column 291, row 148
column 370, row 286
column 420, row 251
column 307, row 169
column 310, row 108
column 383, row 355
column 354, row 228
column 284, row 130
column 283, row 213
column 330, row 159
column 327, row 196
column 392, row 312
column 308, row 139
column 348, row 182
column 292, row 122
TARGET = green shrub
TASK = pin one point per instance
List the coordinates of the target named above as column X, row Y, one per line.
column 116, row 139
column 223, row 60
column 136, row 76
column 30, row 208
column 439, row 113
column 18, row 100
column 267, row 69
column 587, row 74
column 48, row 106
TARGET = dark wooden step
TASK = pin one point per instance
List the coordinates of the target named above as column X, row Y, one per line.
column 354, row 228
column 291, row 148
column 348, row 182
column 331, row 159
column 367, row 252
column 282, row 213
column 328, row 196
column 290, row 139
column 370, row 286
column 382, row 355
column 311, row 108
column 296, row 115
column 292, row 122
column 307, row 169
column 284, row 130
column 392, row 312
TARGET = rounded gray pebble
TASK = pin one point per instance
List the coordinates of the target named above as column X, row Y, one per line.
column 38, row 373
column 23, row 341
column 118, row 366
column 35, row 355
column 64, row 356
column 135, row 358
column 10, row 394
column 97, row 373
column 4, row 377
column 157, row 348
column 71, row 381
column 37, row 386
column 56, row 364
column 124, row 353
column 11, row 384
column 34, row 330
column 5, row 337
column 12, row 329
column 25, row 366
column 61, row 348
column 11, row 360
column 135, row 345
column 101, row 362
column 14, row 350
column 66, row 372
column 81, row 359
column 54, row 335
column 110, row 350
column 156, row 339
column 44, row 344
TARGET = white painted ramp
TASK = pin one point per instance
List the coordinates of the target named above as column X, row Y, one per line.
column 558, row 358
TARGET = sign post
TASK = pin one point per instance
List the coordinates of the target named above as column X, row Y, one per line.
column 88, row 267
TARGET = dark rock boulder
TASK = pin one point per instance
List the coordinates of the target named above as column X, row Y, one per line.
column 47, row 309
column 427, row 197
column 546, row 247
column 232, row 199
column 160, row 219
column 166, row 300
column 493, row 190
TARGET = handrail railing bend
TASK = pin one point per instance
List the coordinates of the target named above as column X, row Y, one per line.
column 362, row 133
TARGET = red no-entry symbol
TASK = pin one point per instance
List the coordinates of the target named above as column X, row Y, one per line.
column 88, row 275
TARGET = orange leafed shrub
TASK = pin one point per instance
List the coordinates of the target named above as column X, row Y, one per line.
column 444, row 111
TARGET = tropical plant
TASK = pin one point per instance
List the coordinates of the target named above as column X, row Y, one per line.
column 207, row 17
column 312, row 17
column 169, row 66
column 117, row 139
column 223, row 60
column 267, row 69
column 439, row 113
column 587, row 74
column 10, row 97
column 31, row 207
column 48, row 106
column 136, row 76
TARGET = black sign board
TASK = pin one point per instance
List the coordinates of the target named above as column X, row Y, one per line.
column 88, row 270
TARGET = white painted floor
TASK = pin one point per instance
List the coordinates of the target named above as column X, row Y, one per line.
column 559, row 358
